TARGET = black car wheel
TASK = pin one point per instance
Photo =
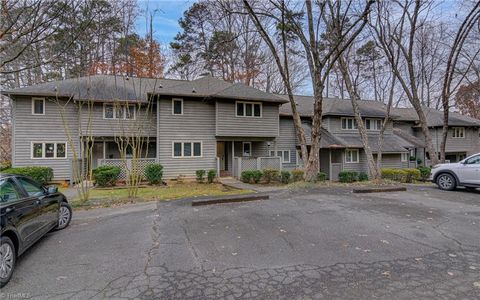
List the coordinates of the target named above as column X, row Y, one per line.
column 7, row 260
column 65, row 216
column 446, row 182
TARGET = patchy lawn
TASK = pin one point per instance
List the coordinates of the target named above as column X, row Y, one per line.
column 104, row 197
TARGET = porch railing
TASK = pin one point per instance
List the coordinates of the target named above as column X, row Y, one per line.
column 255, row 163
column 125, row 165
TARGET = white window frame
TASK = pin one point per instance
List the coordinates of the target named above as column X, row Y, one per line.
column 346, row 155
column 173, row 106
column 33, row 106
column 245, row 109
column 373, row 122
column 272, row 153
column 354, row 122
column 405, row 156
column 456, row 131
column 123, row 106
column 54, row 150
column 243, row 149
column 182, row 149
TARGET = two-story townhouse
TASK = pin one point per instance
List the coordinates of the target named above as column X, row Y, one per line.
column 340, row 143
column 185, row 125
column 207, row 124
column 463, row 135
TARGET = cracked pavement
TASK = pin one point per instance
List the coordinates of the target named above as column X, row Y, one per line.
column 300, row 244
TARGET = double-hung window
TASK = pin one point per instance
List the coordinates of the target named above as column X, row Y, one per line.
column 38, row 106
column 187, row 149
column 123, row 112
column 283, row 154
column 177, row 106
column 405, row 157
column 458, row 132
column 249, row 109
column 351, row 156
column 349, row 124
column 247, row 148
column 373, row 124
column 49, row 150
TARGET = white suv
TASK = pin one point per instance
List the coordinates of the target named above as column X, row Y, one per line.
column 464, row 173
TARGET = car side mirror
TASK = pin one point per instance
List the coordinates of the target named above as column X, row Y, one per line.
column 52, row 189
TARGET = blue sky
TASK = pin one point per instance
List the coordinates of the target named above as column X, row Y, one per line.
column 165, row 21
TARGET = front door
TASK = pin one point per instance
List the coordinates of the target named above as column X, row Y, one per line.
column 222, row 155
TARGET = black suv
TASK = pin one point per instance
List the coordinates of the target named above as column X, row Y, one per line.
column 28, row 211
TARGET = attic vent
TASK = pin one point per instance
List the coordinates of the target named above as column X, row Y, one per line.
column 194, row 91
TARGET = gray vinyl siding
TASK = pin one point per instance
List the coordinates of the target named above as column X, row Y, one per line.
column 144, row 124
column 388, row 161
column 228, row 124
column 334, row 126
column 287, row 140
column 468, row 144
column 28, row 128
column 197, row 124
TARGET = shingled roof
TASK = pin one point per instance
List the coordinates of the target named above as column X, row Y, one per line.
column 435, row 117
column 120, row 88
column 334, row 107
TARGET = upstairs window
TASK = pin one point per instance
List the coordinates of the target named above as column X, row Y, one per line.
column 373, row 124
column 459, row 132
column 38, row 106
column 249, row 109
column 349, row 124
column 122, row 112
column 177, row 107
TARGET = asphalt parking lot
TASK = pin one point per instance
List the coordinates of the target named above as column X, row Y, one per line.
column 301, row 244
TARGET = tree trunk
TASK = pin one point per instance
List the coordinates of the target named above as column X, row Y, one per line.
column 372, row 167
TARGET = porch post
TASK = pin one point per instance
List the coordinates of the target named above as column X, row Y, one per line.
column 330, row 164
column 104, row 150
column 233, row 159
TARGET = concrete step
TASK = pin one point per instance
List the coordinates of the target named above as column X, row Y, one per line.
column 229, row 199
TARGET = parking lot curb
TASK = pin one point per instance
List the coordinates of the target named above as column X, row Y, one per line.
column 229, row 199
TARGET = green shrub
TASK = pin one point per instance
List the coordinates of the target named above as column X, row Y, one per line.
column 419, row 161
column 256, row 176
column 401, row 175
column 321, row 176
column 5, row 166
column 363, row 176
column 270, row 175
column 285, row 177
column 348, row 176
column 424, row 172
column 246, row 176
column 412, row 175
column 106, row 175
column 154, row 173
column 42, row 175
column 297, row 175
column 394, row 174
column 200, row 175
column 211, row 175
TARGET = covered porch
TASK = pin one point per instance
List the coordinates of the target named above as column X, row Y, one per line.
column 106, row 152
column 237, row 155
